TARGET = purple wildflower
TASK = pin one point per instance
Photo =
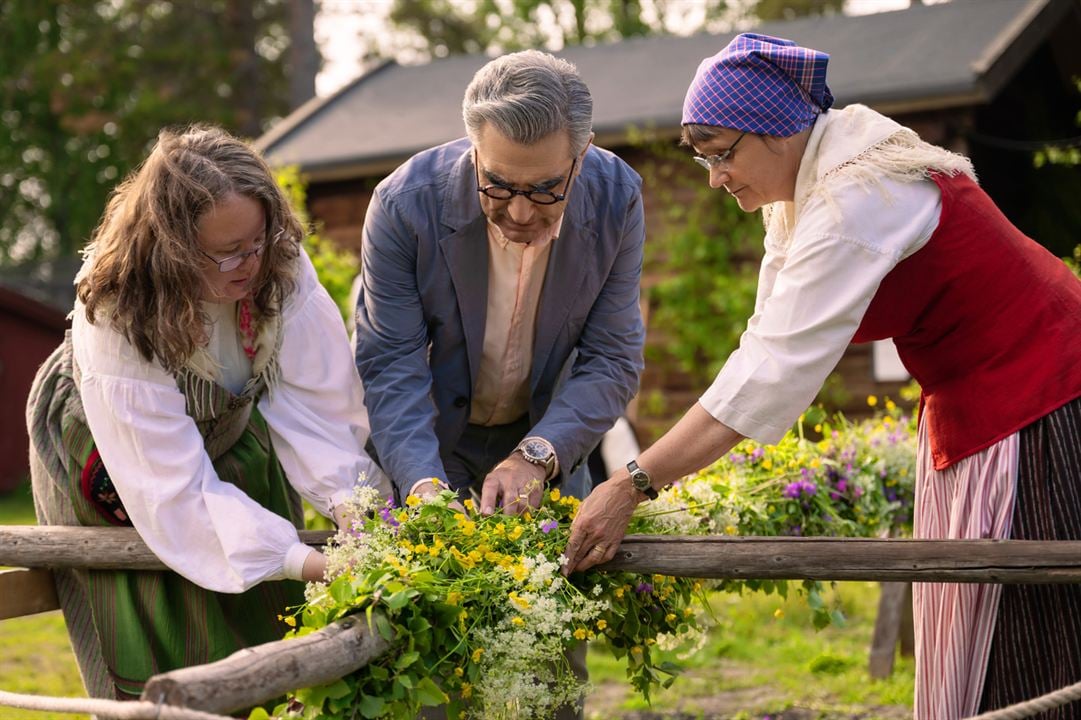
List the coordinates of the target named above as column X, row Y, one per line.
column 800, row 487
column 644, row 588
column 388, row 516
column 549, row 526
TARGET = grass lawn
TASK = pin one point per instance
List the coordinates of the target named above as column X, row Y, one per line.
column 35, row 655
column 762, row 659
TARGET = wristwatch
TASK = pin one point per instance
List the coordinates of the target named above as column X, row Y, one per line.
column 641, row 480
column 540, row 452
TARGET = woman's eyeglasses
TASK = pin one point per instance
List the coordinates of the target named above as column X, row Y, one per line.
column 231, row 263
column 721, row 160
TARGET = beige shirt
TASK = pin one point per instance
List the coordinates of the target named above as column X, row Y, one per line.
column 515, row 279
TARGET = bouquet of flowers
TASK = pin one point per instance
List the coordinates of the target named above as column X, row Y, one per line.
column 480, row 616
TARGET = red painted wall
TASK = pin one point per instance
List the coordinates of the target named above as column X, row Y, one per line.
column 29, row 332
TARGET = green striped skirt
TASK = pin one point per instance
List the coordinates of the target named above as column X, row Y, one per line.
column 126, row 626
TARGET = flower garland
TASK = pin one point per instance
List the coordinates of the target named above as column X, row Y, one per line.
column 481, row 618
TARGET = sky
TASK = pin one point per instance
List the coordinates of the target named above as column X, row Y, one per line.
column 339, row 24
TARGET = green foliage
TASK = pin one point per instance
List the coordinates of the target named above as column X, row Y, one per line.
column 438, row 28
column 1074, row 263
column 706, row 254
column 85, row 88
column 478, row 614
column 336, row 268
column 1067, row 155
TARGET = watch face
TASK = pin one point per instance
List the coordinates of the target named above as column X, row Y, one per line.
column 535, row 450
column 640, row 480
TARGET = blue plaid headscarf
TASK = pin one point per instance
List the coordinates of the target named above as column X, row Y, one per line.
column 759, row 84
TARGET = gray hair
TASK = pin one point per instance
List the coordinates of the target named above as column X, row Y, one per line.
column 527, row 96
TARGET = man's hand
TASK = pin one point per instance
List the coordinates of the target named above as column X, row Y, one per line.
column 432, row 487
column 516, row 484
column 600, row 524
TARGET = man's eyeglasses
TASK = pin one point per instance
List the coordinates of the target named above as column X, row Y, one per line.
column 711, row 161
column 541, row 197
column 231, row 263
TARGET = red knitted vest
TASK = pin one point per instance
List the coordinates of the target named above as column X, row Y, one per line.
column 986, row 320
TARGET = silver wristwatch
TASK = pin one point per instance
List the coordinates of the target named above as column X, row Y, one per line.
column 540, row 452
column 641, row 480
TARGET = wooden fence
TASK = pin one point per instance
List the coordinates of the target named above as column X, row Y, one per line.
column 259, row 674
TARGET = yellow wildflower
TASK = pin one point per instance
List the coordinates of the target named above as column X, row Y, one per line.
column 872, row 400
column 517, row 620
column 580, row 634
column 554, row 495
column 467, row 691
column 468, row 503
column 477, row 653
column 459, row 671
column 778, row 613
column 602, row 624
column 454, row 597
column 420, row 548
column 767, row 464
column 403, row 516
column 290, row 621
column 670, row 617
column 412, row 501
column 730, row 530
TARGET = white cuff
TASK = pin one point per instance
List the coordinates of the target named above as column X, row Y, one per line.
column 295, row 557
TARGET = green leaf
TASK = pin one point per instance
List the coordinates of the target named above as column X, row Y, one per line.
column 406, row 659
column 429, row 693
column 259, row 714
column 370, row 707
column 384, row 627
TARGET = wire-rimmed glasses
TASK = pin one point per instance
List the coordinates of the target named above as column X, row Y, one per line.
column 721, row 159
column 232, row 262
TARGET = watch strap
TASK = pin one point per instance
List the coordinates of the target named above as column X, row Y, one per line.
column 641, row 480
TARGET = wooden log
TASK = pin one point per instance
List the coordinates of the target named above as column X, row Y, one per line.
column 988, row 561
column 97, row 548
column 993, row 561
column 26, row 592
column 257, row 674
column 891, row 604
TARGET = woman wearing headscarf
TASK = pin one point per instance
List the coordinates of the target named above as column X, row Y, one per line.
column 206, row 384
column 872, row 233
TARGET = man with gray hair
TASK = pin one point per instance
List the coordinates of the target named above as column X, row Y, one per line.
column 499, row 334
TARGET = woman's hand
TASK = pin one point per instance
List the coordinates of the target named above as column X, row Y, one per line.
column 315, row 567
column 600, row 524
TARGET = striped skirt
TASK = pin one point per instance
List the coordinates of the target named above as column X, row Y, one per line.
column 983, row 647
column 126, row 626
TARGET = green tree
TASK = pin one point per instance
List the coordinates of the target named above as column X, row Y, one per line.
column 85, row 87
column 439, row 28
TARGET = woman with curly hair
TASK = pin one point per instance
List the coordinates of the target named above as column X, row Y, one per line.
column 206, row 384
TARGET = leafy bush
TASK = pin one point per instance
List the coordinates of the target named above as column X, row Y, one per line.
column 335, row 268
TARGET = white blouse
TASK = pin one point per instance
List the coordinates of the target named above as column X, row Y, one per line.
column 812, row 296
column 205, row 529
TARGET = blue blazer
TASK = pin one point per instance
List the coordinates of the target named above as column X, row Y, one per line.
column 423, row 300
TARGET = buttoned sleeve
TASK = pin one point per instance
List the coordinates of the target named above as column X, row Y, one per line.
column 316, row 414
column 811, row 299
column 205, row 529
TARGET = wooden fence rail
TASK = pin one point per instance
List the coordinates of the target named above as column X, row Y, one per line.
column 259, row 674
column 897, row 560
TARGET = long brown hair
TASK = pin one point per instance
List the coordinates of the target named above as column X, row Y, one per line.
column 144, row 263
